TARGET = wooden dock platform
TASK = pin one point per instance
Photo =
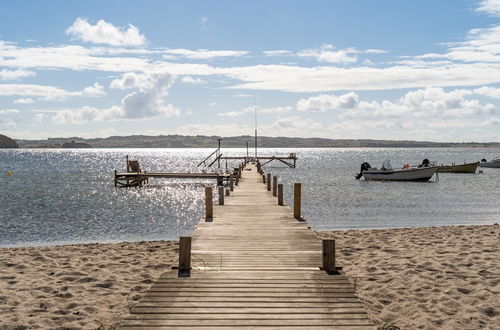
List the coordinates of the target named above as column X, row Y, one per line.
column 253, row 266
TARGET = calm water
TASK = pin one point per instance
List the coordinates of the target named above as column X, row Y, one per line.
column 67, row 196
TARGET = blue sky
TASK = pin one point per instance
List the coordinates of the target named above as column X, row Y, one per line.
column 419, row 70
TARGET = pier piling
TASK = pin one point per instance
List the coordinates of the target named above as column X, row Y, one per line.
column 297, row 189
column 209, row 213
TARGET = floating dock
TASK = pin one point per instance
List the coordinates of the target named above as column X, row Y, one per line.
column 136, row 177
column 252, row 262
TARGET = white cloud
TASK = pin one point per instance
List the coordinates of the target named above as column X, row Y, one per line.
column 375, row 51
column 425, row 107
column 488, row 91
column 490, row 7
column 47, row 93
column 9, row 112
column 94, row 90
column 294, row 126
column 106, row 33
column 74, row 57
column 16, row 74
column 202, row 54
column 7, row 123
column 325, row 102
column 251, row 110
column 23, row 101
column 327, row 54
column 38, row 119
column 204, row 23
column 277, row 52
column 148, row 101
column 191, row 80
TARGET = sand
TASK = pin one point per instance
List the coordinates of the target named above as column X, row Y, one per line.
column 77, row 286
column 417, row 278
column 425, row 278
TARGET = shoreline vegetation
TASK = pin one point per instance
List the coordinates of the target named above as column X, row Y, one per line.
column 201, row 141
column 414, row 278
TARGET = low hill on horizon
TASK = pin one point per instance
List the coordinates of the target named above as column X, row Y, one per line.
column 7, row 142
column 202, row 141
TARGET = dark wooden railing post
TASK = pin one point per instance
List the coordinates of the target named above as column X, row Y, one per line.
column 221, row 195
column 297, row 188
column 227, row 191
column 329, row 255
column 184, row 256
column 275, row 186
column 280, row 194
column 231, row 182
column 208, row 203
column 268, row 180
column 263, row 178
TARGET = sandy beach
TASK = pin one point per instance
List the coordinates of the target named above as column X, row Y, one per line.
column 425, row 278
column 415, row 278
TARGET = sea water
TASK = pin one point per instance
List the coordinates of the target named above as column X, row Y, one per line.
column 61, row 196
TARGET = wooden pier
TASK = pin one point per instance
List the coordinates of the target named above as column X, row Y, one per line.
column 252, row 262
column 135, row 176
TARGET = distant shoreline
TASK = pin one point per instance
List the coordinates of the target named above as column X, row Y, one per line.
column 200, row 141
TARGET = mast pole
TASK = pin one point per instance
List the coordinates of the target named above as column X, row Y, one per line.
column 255, row 110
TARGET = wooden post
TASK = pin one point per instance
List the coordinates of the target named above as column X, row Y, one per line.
column 227, row 192
column 263, row 178
column 280, row 194
column 275, row 186
column 268, row 180
column 329, row 255
column 297, row 187
column 208, row 203
column 231, row 182
column 126, row 160
column 184, row 256
column 115, row 178
column 221, row 195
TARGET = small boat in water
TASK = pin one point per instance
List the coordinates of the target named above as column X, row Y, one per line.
column 408, row 173
column 461, row 168
column 491, row 163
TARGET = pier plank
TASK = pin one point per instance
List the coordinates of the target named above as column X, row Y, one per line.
column 254, row 266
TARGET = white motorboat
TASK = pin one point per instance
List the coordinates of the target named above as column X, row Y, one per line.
column 408, row 173
column 491, row 163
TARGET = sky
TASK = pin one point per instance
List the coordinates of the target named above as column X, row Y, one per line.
column 342, row 69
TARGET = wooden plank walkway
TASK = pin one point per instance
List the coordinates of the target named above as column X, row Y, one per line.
column 254, row 266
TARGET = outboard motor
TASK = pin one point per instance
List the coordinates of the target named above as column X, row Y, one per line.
column 425, row 163
column 364, row 167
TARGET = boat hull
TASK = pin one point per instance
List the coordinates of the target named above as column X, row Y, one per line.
column 462, row 168
column 495, row 164
column 410, row 174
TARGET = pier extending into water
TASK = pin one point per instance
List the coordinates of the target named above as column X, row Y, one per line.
column 252, row 262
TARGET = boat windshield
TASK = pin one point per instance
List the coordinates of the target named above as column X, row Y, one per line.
column 386, row 165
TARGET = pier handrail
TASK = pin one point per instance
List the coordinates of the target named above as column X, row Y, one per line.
column 207, row 158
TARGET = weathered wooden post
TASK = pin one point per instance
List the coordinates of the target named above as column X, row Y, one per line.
column 329, row 255
column 268, row 180
column 297, row 187
column 227, row 191
column 231, row 182
column 209, row 210
column 280, row 194
column 184, row 256
column 275, row 185
column 237, row 181
column 115, row 178
column 263, row 178
column 221, row 195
